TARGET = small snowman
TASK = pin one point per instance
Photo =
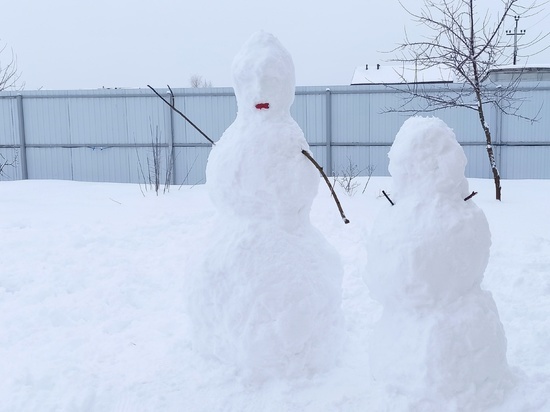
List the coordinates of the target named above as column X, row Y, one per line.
column 439, row 341
column 265, row 296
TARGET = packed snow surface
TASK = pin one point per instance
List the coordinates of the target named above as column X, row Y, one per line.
column 265, row 291
column 427, row 257
column 92, row 315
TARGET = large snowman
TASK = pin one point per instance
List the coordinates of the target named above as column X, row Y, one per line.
column 439, row 342
column 265, row 296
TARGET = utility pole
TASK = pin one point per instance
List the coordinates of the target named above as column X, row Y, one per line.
column 515, row 33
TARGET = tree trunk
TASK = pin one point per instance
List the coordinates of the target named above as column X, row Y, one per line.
column 496, row 175
column 491, row 154
column 488, row 140
column 477, row 88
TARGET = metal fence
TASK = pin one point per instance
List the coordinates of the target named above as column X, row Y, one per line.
column 112, row 135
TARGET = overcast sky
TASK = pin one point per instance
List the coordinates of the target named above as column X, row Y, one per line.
column 69, row 44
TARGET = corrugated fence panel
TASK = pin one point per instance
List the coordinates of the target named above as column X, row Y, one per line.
column 10, row 158
column 384, row 123
column 51, row 163
column 97, row 121
column 361, row 160
column 223, row 115
column 108, row 135
column 47, row 121
column 210, row 112
column 109, row 164
column 526, row 150
column 478, row 162
column 191, row 165
column 9, row 139
column 120, row 120
column 350, row 118
column 525, row 162
column 465, row 124
column 309, row 111
column 146, row 119
column 515, row 129
column 379, row 160
column 8, row 122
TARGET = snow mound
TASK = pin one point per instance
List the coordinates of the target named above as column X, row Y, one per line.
column 427, row 257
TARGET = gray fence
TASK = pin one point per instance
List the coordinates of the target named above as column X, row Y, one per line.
column 108, row 135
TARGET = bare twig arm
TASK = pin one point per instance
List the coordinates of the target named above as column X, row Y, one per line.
column 182, row 115
column 312, row 160
column 387, row 197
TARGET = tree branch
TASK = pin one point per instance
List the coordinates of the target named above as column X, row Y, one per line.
column 312, row 160
column 387, row 197
column 182, row 115
column 9, row 75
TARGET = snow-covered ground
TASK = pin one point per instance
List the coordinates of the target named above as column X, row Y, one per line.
column 92, row 311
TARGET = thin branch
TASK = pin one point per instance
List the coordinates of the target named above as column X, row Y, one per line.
column 188, row 172
column 489, row 41
column 4, row 163
column 312, row 160
column 182, row 115
column 9, row 75
column 387, row 197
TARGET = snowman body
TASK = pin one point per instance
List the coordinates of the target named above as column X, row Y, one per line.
column 265, row 295
column 440, row 334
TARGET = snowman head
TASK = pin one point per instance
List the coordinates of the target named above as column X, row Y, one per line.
column 426, row 160
column 263, row 76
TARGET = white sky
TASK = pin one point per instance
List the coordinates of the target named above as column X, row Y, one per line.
column 69, row 44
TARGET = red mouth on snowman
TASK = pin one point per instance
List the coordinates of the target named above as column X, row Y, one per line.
column 261, row 106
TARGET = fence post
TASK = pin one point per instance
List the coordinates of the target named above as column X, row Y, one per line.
column 171, row 144
column 498, row 136
column 328, row 125
column 22, row 140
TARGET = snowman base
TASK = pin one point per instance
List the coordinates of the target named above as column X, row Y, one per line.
column 267, row 301
column 453, row 354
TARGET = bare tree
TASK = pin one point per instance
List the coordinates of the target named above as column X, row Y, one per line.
column 9, row 75
column 470, row 44
column 198, row 81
